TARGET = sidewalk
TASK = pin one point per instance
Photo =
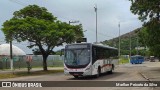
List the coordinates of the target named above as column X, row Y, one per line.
column 152, row 73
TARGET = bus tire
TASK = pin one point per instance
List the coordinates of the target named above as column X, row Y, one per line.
column 98, row 72
column 112, row 66
column 110, row 72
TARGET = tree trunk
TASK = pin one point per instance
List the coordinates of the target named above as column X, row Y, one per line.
column 45, row 62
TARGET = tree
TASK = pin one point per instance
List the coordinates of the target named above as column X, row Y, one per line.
column 143, row 36
column 36, row 51
column 146, row 9
column 38, row 26
column 149, row 13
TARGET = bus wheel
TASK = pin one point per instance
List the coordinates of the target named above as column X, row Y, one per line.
column 110, row 72
column 75, row 76
column 98, row 72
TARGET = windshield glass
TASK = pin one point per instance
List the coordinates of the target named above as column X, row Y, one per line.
column 76, row 57
column 133, row 58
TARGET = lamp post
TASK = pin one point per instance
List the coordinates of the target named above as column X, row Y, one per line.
column 119, row 49
column 137, row 45
column 96, row 21
column 130, row 45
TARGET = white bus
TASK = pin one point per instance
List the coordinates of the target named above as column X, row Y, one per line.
column 85, row 59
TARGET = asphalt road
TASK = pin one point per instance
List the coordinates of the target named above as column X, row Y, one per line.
column 126, row 72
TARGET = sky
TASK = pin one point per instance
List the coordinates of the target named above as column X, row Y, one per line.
column 109, row 14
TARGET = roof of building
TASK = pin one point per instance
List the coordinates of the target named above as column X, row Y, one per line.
column 5, row 50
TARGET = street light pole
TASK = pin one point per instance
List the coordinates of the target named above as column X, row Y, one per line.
column 130, row 44
column 137, row 45
column 130, row 47
column 119, row 53
column 96, row 21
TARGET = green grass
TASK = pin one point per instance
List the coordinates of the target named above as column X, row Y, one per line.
column 124, row 61
column 21, row 74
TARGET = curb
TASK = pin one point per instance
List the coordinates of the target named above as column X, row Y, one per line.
column 145, row 77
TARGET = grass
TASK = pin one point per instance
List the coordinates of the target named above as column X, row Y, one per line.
column 124, row 61
column 21, row 74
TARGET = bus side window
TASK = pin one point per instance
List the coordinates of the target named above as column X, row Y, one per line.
column 100, row 53
column 94, row 55
column 107, row 53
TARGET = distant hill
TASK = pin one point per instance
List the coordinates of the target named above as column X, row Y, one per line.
column 124, row 36
column 125, row 42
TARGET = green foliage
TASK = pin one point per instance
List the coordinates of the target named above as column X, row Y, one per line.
column 153, row 41
column 125, row 44
column 124, row 61
column 36, row 51
column 143, row 36
column 59, row 53
column 146, row 9
column 149, row 13
column 38, row 26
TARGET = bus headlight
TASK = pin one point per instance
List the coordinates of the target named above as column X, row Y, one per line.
column 88, row 68
column 65, row 69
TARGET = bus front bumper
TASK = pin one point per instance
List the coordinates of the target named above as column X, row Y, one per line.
column 78, row 72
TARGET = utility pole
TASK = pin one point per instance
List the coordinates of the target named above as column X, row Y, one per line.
column 137, row 45
column 130, row 44
column 119, row 53
column 96, row 21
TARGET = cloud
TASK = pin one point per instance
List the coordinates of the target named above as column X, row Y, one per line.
column 110, row 13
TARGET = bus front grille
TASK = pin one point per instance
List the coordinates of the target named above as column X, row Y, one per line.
column 76, row 73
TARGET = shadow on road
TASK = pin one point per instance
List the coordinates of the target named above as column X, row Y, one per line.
column 155, row 69
column 103, row 76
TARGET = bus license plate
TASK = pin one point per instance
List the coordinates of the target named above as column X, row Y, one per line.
column 75, row 74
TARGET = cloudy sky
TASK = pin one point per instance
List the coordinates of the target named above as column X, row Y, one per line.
column 110, row 13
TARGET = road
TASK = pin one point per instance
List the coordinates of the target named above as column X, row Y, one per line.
column 126, row 72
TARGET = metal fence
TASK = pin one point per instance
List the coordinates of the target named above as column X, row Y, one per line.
column 36, row 61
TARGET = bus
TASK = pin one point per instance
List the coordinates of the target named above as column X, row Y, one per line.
column 86, row 59
column 137, row 59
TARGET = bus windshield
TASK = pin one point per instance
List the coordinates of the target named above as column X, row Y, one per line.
column 77, row 57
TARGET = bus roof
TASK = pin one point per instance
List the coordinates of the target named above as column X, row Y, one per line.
column 137, row 56
column 104, row 46
column 97, row 45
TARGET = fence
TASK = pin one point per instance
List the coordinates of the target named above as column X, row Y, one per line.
column 36, row 61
